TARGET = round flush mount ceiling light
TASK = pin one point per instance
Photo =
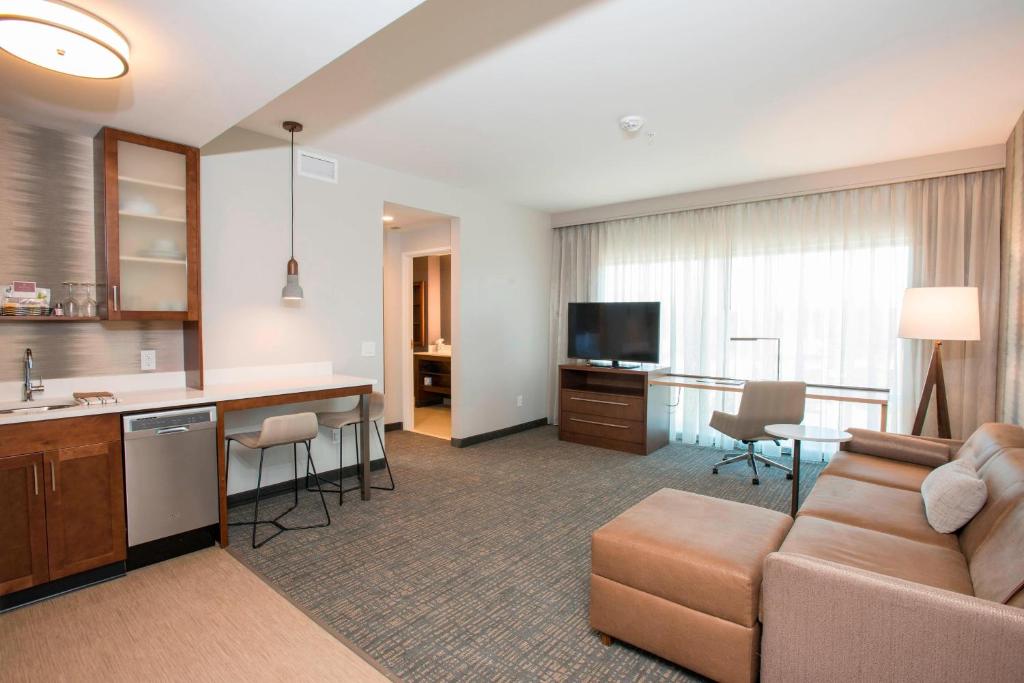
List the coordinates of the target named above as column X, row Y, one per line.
column 631, row 124
column 63, row 38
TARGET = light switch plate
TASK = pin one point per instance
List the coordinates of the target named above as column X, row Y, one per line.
column 147, row 360
column 369, row 349
column 519, row 401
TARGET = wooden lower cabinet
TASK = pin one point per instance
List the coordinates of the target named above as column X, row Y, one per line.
column 61, row 508
column 22, row 523
column 85, row 522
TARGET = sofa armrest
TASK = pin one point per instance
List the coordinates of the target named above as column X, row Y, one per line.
column 912, row 449
column 824, row 621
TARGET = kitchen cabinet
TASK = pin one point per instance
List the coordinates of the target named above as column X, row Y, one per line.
column 61, row 499
column 150, row 191
column 22, row 523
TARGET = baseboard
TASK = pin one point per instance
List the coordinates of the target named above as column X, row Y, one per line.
column 393, row 426
column 498, row 433
column 286, row 486
column 59, row 586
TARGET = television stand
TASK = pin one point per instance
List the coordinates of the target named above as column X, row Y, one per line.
column 613, row 407
column 614, row 364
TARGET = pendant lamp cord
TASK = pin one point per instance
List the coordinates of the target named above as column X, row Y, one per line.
column 292, row 171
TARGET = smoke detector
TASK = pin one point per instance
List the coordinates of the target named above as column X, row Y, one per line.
column 631, row 124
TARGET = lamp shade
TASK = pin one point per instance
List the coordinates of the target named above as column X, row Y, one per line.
column 940, row 313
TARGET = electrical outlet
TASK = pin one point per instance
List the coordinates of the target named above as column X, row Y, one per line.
column 519, row 401
column 147, row 360
column 335, row 435
column 369, row 349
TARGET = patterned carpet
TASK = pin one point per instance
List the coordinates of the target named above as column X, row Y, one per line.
column 476, row 567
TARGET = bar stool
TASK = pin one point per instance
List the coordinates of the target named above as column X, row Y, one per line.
column 343, row 419
column 280, row 430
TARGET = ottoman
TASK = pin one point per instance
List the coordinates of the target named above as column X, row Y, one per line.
column 679, row 575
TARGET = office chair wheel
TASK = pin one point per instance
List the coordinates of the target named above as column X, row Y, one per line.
column 789, row 475
column 755, row 481
column 714, row 470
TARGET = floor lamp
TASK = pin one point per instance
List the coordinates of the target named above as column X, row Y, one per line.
column 938, row 314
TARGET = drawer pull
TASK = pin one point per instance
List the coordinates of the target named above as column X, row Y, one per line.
column 53, row 477
column 602, row 424
column 35, row 478
column 594, row 400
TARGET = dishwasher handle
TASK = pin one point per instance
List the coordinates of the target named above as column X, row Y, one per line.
column 172, row 430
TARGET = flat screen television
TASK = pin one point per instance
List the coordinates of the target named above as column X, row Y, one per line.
column 626, row 331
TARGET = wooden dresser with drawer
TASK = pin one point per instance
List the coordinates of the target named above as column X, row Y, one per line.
column 614, row 408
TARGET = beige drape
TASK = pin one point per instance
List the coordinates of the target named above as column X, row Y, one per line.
column 825, row 272
column 1011, row 323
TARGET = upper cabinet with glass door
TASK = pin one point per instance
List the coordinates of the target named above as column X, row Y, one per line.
column 151, row 225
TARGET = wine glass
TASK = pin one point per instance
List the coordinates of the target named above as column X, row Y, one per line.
column 89, row 307
column 72, row 308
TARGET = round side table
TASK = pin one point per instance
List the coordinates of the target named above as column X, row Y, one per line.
column 800, row 433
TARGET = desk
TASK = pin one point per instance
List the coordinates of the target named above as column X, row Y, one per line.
column 274, row 393
column 820, row 392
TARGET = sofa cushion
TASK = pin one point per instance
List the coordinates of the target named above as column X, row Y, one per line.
column 1003, row 475
column 869, row 468
column 952, row 495
column 898, row 447
column 700, row 552
column 988, row 440
column 878, row 552
column 873, row 506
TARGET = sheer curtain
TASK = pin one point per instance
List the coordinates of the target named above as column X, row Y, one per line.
column 824, row 272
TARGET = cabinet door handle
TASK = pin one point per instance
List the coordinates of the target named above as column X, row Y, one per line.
column 603, row 424
column 53, row 477
column 117, row 299
column 35, row 478
column 594, row 400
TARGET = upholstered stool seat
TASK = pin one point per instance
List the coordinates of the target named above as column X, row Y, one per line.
column 344, row 418
column 280, row 430
column 679, row 575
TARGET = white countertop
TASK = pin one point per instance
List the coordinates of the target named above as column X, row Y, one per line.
column 134, row 401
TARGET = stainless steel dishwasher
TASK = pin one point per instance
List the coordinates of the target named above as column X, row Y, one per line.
column 170, row 473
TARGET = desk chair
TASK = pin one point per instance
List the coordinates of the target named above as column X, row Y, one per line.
column 279, row 430
column 763, row 403
column 339, row 421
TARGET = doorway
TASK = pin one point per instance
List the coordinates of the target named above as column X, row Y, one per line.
column 418, row 320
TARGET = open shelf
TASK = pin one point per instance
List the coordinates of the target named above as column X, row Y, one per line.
column 447, row 391
column 45, row 319
column 150, row 183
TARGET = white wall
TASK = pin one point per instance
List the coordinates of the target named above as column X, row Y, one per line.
column 500, row 282
column 397, row 242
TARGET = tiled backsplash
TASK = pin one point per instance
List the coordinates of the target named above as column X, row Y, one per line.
column 48, row 235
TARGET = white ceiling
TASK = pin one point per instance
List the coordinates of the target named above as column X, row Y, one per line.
column 197, row 66
column 522, row 100
column 407, row 217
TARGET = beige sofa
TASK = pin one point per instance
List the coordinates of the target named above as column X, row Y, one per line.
column 858, row 588
column 863, row 588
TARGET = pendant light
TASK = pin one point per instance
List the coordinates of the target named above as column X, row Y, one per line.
column 292, row 291
column 61, row 37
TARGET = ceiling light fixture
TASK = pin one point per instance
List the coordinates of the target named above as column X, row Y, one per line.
column 292, row 291
column 61, row 37
column 386, row 218
column 631, row 124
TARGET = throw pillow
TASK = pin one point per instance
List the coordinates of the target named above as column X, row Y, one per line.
column 953, row 494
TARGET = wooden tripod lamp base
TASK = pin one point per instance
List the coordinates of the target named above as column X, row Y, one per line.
column 936, row 381
column 949, row 313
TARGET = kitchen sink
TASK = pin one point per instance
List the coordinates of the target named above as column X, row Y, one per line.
column 28, row 409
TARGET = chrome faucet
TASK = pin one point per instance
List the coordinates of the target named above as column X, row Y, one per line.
column 31, row 389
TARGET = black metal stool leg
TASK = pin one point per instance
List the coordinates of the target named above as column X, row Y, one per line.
column 309, row 462
column 341, row 464
column 256, row 510
column 387, row 465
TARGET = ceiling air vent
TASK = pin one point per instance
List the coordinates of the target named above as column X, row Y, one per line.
column 316, row 165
